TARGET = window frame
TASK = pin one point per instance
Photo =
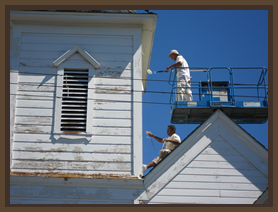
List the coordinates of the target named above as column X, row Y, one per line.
column 57, row 133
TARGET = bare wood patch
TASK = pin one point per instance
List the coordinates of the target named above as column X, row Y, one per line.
column 33, row 87
column 113, row 89
column 60, row 147
column 34, row 120
column 109, row 105
column 65, row 165
column 71, row 156
column 32, row 129
column 46, row 138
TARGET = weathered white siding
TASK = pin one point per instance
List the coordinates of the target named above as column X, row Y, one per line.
column 218, row 175
column 38, row 190
column 111, row 149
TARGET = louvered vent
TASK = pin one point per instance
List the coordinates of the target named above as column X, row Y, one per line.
column 74, row 101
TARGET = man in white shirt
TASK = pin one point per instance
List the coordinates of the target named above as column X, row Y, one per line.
column 183, row 75
column 171, row 143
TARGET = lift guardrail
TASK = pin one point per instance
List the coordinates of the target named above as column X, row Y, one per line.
column 225, row 94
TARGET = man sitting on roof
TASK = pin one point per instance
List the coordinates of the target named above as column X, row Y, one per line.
column 183, row 75
column 171, row 143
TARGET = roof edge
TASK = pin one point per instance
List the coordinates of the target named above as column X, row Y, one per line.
column 263, row 199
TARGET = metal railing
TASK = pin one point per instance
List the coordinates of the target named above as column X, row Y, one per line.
column 260, row 85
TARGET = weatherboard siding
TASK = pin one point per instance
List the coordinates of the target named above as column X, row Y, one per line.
column 55, row 200
column 34, row 147
column 33, row 190
column 218, row 175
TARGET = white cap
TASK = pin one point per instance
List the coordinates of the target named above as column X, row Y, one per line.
column 173, row 52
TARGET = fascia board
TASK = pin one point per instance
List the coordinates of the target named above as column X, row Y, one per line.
column 263, row 198
column 147, row 45
column 88, row 57
column 245, row 145
column 231, row 132
column 70, row 52
column 78, row 181
column 251, row 142
column 246, row 150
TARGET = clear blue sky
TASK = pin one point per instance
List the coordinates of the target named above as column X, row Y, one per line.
column 206, row 38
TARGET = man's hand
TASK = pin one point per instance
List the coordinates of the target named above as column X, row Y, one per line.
column 149, row 134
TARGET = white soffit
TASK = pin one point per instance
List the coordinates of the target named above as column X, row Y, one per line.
column 78, row 49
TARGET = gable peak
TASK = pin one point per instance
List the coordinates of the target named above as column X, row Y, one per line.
column 81, row 51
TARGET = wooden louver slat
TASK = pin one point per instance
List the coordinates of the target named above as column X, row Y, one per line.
column 74, row 101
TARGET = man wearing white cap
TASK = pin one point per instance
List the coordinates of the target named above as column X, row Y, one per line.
column 183, row 75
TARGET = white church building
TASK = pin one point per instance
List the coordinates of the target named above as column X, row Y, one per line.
column 76, row 122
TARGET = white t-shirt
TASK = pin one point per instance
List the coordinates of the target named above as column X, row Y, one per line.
column 182, row 71
column 170, row 145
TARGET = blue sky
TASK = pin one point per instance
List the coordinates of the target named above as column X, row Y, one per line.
column 206, row 38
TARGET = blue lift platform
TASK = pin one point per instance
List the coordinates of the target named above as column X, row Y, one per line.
column 244, row 103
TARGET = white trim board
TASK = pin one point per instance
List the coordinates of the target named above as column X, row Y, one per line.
column 78, row 49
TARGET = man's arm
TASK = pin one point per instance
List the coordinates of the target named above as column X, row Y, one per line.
column 157, row 138
column 167, row 140
column 173, row 141
column 178, row 64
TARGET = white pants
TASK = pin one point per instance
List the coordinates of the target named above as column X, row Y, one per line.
column 162, row 154
column 186, row 92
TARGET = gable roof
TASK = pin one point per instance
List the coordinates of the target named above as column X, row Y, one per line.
column 75, row 49
column 217, row 125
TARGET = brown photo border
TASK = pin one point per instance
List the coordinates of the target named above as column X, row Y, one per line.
column 181, row 5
